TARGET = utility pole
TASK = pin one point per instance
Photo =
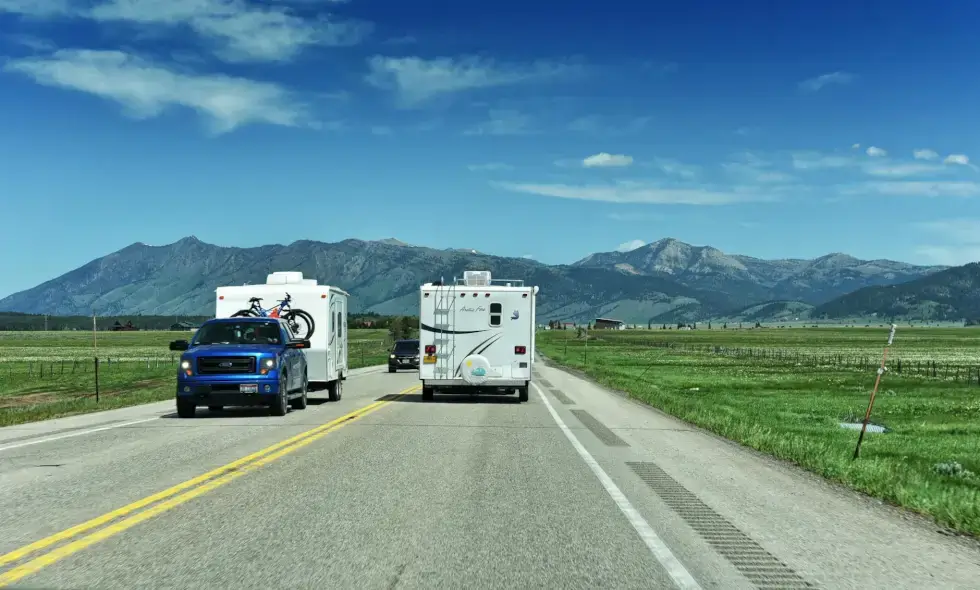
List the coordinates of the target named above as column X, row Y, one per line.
column 45, row 322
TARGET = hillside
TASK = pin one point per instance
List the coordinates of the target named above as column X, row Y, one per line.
column 382, row 277
column 748, row 280
column 948, row 295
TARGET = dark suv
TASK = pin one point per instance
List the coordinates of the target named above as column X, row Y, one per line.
column 404, row 355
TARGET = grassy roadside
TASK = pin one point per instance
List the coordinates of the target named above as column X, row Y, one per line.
column 46, row 375
column 929, row 462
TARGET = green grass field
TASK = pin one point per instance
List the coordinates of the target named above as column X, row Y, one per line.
column 52, row 374
column 785, row 392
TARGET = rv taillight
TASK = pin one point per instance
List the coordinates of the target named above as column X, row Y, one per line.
column 221, row 297
column 520, row 350
column 430, row 349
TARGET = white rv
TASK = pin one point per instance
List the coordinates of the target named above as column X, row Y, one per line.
column 317, row 313
column 476, row 335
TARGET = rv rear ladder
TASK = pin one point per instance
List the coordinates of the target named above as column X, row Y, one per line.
column 443, row 316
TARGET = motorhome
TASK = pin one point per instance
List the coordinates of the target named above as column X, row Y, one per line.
column 476, row 335
column 313, row 312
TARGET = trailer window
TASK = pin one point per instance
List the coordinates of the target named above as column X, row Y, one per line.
column 495, row 310
column 340, row 325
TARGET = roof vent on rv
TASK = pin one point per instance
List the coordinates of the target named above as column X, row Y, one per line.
column 288, row 278
column 476, row 278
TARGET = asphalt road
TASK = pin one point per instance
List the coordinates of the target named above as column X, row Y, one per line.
column 578, row 488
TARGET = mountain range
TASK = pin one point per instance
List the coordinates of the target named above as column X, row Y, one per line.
column 665, row 281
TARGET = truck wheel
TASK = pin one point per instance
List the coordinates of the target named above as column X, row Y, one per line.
column 299, row 403
column 427, row 393
column 392, row 369
column 280, row 405
column 186, row 408
column 335, row 390
column 522, row 393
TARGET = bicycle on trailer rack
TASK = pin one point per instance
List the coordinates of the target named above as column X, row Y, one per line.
column 297, row 319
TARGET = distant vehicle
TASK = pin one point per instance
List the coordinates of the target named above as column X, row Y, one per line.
column 324, row 307
column 242, row 362
column 404, row 355
column 477, row 336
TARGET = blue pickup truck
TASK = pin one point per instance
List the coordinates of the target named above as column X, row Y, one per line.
column 241, row 362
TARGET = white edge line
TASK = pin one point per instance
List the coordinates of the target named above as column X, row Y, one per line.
column 71, row 434
column 38, row 441
column 675, row 569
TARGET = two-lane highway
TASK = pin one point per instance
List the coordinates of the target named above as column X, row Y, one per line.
column 577, row 488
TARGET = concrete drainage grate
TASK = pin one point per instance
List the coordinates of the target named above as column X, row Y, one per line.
column 758, row 565
column 560, row 396
column 608, row 437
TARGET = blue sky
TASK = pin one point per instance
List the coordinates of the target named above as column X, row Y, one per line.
column 522, row 128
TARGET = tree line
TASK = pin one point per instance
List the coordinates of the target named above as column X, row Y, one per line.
column 24, row 322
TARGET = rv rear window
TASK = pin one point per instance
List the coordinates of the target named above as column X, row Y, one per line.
column 495, row 310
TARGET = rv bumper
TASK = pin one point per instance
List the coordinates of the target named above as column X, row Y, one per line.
column 489, row 384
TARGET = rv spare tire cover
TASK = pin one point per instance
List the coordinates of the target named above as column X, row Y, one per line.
column 475, row 369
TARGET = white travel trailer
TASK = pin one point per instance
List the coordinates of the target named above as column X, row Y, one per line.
column 317, row 313
column 476, row 335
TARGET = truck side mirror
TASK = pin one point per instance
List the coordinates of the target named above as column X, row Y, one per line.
column 298, row 344
column 179, row 345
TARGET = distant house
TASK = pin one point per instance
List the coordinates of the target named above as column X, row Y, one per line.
column 608, row 324
column 183, row 327
column 129, row 327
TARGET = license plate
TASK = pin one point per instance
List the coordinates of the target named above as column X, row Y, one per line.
column 429, row 360
column 249, row 388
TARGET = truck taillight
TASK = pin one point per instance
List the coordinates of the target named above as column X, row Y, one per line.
column 520, row 350
column 430, row 349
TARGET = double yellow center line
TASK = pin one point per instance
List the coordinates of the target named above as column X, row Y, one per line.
column 165, row 500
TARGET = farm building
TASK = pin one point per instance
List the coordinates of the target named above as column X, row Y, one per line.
column 183, row 327
column 608, row 324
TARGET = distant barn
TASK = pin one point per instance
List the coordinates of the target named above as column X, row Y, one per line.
column 608, row 324
column 183, row 327
column 129, row 327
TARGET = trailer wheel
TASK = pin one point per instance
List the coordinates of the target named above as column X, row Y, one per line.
column 522, row 393
column 335, row 390
column 427, row 393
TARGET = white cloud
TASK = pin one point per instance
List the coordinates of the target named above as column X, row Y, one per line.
column 489, row 167
column 635, row 192
column 418, row 80
column 815, row 84
column 528, row 256
column 816, row 161
column 502, row 122
column 903, row 169
column 876, row 152
column 675, row 168
column 962, row 237
column 604, row 160
column 630, row 245
column 918, row 188
column 635, row 216
column 925, row 155
column 756, row 173
column 948, row 256
column 36, row 8
column 240, row 30
column 596, row 125
column 856, row 146
column 381, row 130
column 958, row 159
column 146, row 90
